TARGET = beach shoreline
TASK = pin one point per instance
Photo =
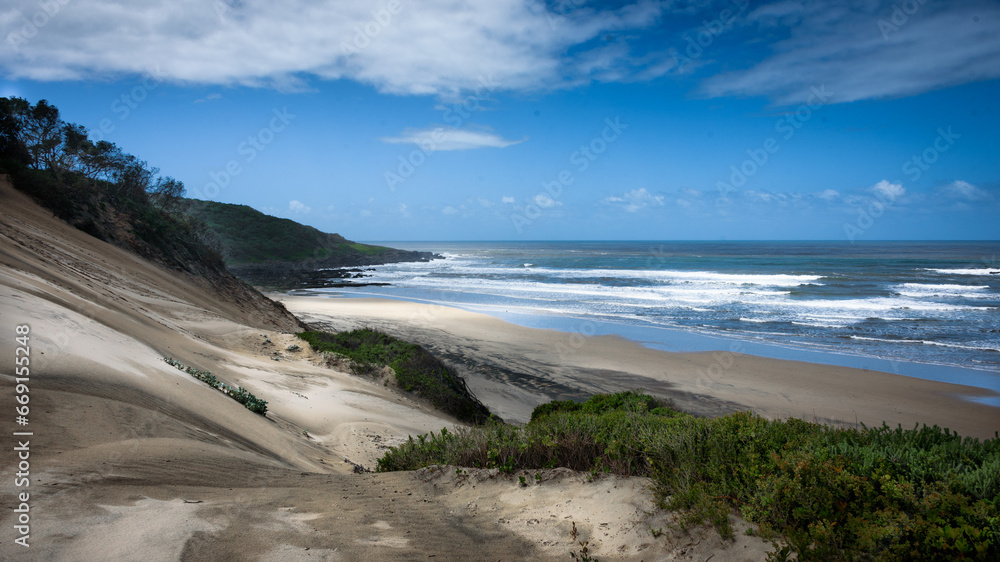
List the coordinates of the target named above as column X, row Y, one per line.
column 926, row 311
column 512, row 368
column 685, row 339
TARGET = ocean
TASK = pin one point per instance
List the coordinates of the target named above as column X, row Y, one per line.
column 928, row 309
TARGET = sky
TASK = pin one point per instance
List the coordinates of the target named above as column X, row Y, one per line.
column 399, row 120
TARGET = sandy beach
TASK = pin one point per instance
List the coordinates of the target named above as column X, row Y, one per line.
column 513, row 368
column 132, row 459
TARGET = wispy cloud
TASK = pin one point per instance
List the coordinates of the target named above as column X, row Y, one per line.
column 437, row 47
column 209, row 97
column 635, row 200
column 964, row 190
column 296, row 206
column 867, row 50
column 546, row 202
column 447, row 138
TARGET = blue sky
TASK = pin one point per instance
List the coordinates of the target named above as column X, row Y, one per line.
column 523, row 120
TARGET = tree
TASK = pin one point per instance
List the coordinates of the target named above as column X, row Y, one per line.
column 32, row 134
column 43, row 136
column 95, row 161
column 131, row 178
column 13, row 149
column 166, row 193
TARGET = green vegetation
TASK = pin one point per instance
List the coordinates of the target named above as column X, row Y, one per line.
column 237, row 393
column 249, row 236
column 99, row 188
column 416, row 370
column 829, row 493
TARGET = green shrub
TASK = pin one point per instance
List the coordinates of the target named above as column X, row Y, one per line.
column 630, row 400
column 416, row 370
column 543, row 410
column 833, row 494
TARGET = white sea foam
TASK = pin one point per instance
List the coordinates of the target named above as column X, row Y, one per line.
column 692, row 277
column 663, row 296
column 929, row 342
column 873, row 307
column 471, row 268
column 699, row 290
column 923, row 290
column 866, row 338
column 820, row 324
column 960, row 346
column 967, row 271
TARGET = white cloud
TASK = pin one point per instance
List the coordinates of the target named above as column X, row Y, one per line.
column 297, row 207
column 828, row 194
column 448, row 138
column 764, row 196
column 545, row 202
column 449, row 210
column 485, row 202
column 889, row 191
column 436, row 47
column 849, row 49
column 507, row 200
column 635, row 200
column 964, row 190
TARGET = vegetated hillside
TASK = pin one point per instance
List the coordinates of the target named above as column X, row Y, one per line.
column 282, row 254
column 248, row 235
column 118, row 198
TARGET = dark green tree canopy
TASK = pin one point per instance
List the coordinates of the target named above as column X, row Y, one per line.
column 35, row 137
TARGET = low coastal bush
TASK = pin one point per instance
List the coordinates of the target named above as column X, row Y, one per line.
column 417, row 371
column 829, row 493
column 237, row 393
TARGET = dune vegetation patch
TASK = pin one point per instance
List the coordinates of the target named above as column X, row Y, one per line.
column 828, row 493
column 237, row 393
column 416, row 370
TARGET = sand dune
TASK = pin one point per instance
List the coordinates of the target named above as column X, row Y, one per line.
column 132, row 459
